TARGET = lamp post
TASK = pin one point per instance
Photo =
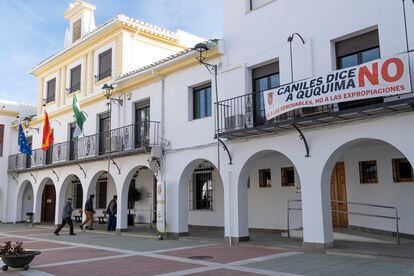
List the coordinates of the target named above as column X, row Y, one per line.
column 290, row 40
column 202, row 49
column 107, row 91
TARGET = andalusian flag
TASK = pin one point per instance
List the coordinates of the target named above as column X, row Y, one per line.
column 79, row 117
column 47, row 139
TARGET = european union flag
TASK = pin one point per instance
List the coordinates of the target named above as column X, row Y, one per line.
column 24, row 146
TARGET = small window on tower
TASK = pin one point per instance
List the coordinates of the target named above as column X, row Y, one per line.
column 77, row 30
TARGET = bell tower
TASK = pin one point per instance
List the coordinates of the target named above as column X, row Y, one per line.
column 80, row 16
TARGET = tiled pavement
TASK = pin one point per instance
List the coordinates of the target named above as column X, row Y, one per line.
column 102, row 254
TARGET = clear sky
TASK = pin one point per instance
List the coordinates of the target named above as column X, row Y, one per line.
column 32, row 30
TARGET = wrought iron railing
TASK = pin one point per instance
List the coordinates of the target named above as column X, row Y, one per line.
column 138, row 137
column 247, row 111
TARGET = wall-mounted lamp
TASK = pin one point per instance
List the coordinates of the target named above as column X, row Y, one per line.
column 107, row 91
column 290, row 40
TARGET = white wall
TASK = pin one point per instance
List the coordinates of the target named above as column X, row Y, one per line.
column 268, row 206
column 207, row 217
column 145, row 206
column 386, row 192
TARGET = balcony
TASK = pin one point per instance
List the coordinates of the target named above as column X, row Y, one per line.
column 244, row 115
column 127, row 140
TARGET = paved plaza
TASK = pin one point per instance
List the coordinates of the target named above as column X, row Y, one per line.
column 98, row 253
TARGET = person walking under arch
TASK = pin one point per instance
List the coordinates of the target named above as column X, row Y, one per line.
column 111, row 211
column 89, row 211
column 66, row 218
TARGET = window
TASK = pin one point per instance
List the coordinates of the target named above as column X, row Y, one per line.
column 264, row 78
column 265, row 178
column 101, row 191
column 288, row 177
column 77, row 193
column 355, row 51
column 368, row 172
column 402, row 170
column 202, row 102
column 104, row 65
column 77, row 30
column 254, row 4
column 51, row 90
column 202, row 189
column 75, row 79
column 1, row 139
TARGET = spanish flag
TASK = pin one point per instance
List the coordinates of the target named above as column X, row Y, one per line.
column 47, row 139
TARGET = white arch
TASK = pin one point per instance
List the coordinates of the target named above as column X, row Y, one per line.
column 19, row 202
column 38, row 197
column 61, row 193
column 183, row 192
column 242, row 206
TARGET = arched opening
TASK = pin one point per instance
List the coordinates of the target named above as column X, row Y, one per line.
column 201, row 201
column 103, row 188
column 267, row 183
column 139, row 193
column 25, row 201
column 47, row 194
column 72, row 188
column 369, row 180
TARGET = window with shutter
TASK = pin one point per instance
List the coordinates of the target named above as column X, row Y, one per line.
column 75, row 79
column 51, row 90
column 1, row 139
column 105, row 65
column 77, row 30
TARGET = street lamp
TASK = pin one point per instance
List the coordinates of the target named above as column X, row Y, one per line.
column 107, row 92
column 290, row 40
column 202, row 49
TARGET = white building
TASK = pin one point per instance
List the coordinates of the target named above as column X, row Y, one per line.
column 355, row 152
column 10, row 114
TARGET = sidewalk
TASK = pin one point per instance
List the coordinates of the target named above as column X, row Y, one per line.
column 96, row 253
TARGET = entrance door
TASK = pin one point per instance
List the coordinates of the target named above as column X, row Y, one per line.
column 104, row 135
column 338, row 195
column 142, row 118
column 48, row 204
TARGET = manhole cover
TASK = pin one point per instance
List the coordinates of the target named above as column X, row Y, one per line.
column 201, row 257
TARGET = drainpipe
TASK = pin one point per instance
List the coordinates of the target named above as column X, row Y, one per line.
column 162, row 137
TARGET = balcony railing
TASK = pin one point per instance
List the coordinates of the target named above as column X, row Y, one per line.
column 137, row 137
column 245, row 116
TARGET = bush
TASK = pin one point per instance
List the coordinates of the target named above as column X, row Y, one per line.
column 12, row 250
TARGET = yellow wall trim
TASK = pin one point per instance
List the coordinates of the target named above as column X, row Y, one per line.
column 9, row 113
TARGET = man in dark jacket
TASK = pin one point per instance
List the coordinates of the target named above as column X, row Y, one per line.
column 89, row 211
column 66, row 217
column 111, row 211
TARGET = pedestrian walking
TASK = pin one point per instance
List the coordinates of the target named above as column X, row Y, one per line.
column 66, row 218
column 111, row 211
column 89, row 211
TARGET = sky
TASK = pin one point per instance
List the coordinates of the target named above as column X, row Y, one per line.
column 34, row 29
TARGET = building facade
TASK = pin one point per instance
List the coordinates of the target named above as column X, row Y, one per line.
column 310, row 169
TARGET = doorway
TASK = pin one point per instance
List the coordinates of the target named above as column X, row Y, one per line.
column 142, row 119
column 48, row 204
column 338, row 196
